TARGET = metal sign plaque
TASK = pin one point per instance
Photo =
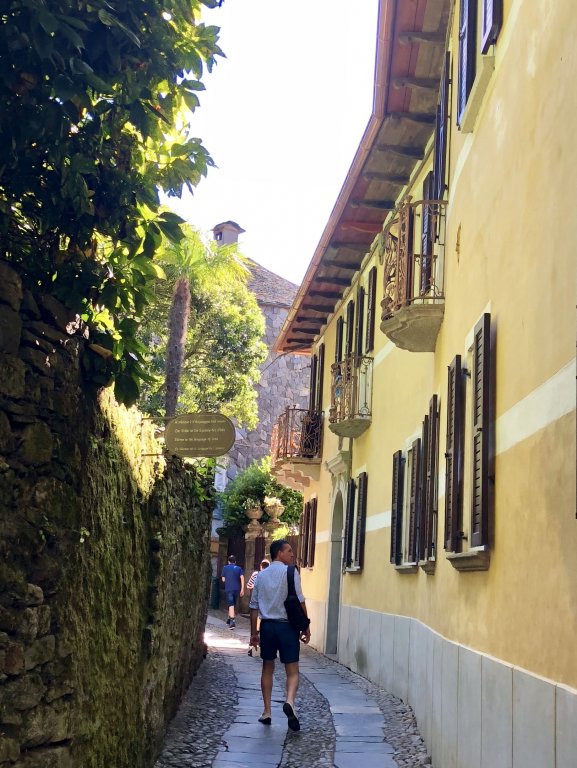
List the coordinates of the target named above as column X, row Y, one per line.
column 199, row 435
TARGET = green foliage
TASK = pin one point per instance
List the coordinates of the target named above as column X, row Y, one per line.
column 96, row 101
column 256, row 482
column 223, row 348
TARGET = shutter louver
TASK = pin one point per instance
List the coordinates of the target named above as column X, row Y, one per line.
column 300, row 546
column 492, row 19
column 313, row 382
column 408, row 250
column 350, row 329
column 397, row 509
column 441, row 131
column 422, row 523
column 453, row 455
column 312, row 531
column 371, row 309
column 361, row 520
column 360, row 321
column 427, row 237
column 339, row 341
column 349, row 520
column 467, row 53
column 320, row 376
column 414, row 499
column 480, row 381
column 430, row 480
column 305, row 535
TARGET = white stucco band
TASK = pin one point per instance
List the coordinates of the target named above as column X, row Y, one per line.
column 473, row 711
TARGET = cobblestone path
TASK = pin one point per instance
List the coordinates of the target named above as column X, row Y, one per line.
column 346, row 721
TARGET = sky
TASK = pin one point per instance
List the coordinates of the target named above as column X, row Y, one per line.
column 282, row 117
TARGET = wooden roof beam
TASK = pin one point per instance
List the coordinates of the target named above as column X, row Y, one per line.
column 332, row 279
column 412, row 153
column 415, row 36
column 318, row 310
column 342, row 244
column 326, row 294
column 298, row 342
column 391, row 178
column 381, row 205
column 420, row 118
column 423, row 83
column 306, row 331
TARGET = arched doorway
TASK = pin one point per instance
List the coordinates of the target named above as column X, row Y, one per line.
column 332, row 635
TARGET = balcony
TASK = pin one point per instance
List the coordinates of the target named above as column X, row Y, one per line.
column 413, row 254
column 296, row 447
column 351, row 396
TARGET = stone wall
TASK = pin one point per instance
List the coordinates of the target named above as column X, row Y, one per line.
column 104, row 564
column 284, row 382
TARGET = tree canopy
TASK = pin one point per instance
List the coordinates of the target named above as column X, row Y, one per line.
column 222, row 346
column 96, row 99
column 253, row 484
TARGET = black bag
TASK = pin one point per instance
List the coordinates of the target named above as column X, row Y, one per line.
column 294, row 610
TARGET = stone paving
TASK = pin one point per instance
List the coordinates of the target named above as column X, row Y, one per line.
column 345, row 720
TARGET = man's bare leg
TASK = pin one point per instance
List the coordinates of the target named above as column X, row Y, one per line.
column 266, row 686
column 292, row 681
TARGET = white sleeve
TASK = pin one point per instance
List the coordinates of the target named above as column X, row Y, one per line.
column 254, row 596
column 298, row 588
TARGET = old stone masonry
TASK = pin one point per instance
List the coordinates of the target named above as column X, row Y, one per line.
column 346, row 721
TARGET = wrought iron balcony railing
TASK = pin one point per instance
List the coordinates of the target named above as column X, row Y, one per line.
column 296, row 436
column 413, row 256
column 351, row 396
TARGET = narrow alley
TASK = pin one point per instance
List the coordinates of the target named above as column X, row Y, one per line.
column 345, row 720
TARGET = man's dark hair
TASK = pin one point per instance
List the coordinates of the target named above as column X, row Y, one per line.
column 276, row 547
column 264, row 564
column 231, row 559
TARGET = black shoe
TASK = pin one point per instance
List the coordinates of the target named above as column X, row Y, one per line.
column 250, row 651
column 228, row 621
column 293, row 721
column 231, row 625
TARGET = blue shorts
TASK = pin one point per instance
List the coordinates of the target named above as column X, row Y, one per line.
column 231, row 598
column 278, row 636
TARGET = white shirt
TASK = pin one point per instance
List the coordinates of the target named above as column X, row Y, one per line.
column 271, row 590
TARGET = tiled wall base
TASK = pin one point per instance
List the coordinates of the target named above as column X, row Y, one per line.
column 473, row 711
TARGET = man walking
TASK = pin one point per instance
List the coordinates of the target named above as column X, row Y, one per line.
column 233, row 577
column 276, row 634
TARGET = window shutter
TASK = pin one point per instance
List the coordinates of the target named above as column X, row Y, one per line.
column 305, row 535
column 371, row 304
column 361, row 520
column 427, row 237
column 431, row 453
column 481, row 382
column 349, row 520
column 492, row 19
column 453, row 455
column 318, row 407
column 312, row 532
column 467, row 53
column 397, row 509
column 441, row 131
column 339, row 341
column 360, row 322
column 414, row 499
column 313, row 383
column 350, row 328
column 407, row 252
column 422, row 523
column 300, row 547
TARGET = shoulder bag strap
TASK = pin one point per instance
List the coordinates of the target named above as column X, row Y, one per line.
column 290, row 574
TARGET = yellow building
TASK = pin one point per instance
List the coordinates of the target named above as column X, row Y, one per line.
column 437, row 455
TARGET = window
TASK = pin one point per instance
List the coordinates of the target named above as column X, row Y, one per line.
column 308, row 532
column 339, row 340
column 469, row 396
column 441, row 132
column 475, row 69
column 355, row 523
column 371, row 310
column 316, row 380
column 350, row 329
column 427, row 546
column 360, row 319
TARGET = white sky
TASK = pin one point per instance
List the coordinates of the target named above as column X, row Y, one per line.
column 282, row 117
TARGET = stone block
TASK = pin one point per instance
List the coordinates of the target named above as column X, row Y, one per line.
column 21, row 694
column 566, row 727
column 34, row 595
column 6, row 437
column 55, row 757
column 10, row 287
column 533, row 721
column 29, row 306
column 45, row 724
column 469, row 712
column 386, row 664
column 40, row 361
column 41, row 651
column 64, row 318
column 12, row 371
column 27, row 628
column 496, row 714
column 10, row 330
column 450, row 703
column 36, row 444
column 9, row 750
column 44, row 619
column 401, row 657
column 14, row 660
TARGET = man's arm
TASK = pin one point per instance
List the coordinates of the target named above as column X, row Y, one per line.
column 306, row 635
column 253, row 630
column 241, row 585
